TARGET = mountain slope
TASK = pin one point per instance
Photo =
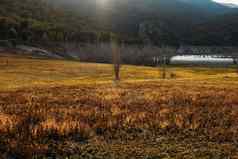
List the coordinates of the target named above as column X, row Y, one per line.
column 208, row 6
column 159, row 22
column 36, row 17
column 179, row 11
column 127, row 16
column 222, row 30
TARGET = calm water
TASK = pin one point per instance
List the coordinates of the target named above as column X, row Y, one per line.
column 202, row 59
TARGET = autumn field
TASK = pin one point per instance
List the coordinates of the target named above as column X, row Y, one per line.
column 69, row 109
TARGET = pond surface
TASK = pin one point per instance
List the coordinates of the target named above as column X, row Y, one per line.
column 202, row 59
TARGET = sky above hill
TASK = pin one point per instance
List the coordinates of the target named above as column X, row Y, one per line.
column 227, row 1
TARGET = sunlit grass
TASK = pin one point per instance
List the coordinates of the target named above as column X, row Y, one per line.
column 18, row 73
column 75, row 109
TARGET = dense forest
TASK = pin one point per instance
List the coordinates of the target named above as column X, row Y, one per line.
column 219, row 31
column 36, row 22
column 154, row 22
column 160, row 22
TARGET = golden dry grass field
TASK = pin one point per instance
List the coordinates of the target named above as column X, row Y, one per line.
column 68, row 109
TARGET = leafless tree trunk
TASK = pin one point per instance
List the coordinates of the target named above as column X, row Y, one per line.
column 116, row 57
column 166, row 51
column 164, row 67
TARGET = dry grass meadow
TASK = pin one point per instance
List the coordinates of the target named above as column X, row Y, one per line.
column 67, row 109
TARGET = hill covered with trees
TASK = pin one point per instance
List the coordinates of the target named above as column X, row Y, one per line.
column 219, row 31
column 160, row 22
column 157, row 22
column 36, row 21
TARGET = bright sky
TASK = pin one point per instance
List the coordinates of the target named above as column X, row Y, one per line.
column 227, row 1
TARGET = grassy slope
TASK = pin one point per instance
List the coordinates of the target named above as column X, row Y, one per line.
column 18, row 72
column 73, row 109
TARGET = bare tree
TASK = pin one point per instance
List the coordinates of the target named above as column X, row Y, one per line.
column 164, row 67
column 166, row 53
column 116, row 58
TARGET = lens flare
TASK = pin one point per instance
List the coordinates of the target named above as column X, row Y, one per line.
column 102, row 2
